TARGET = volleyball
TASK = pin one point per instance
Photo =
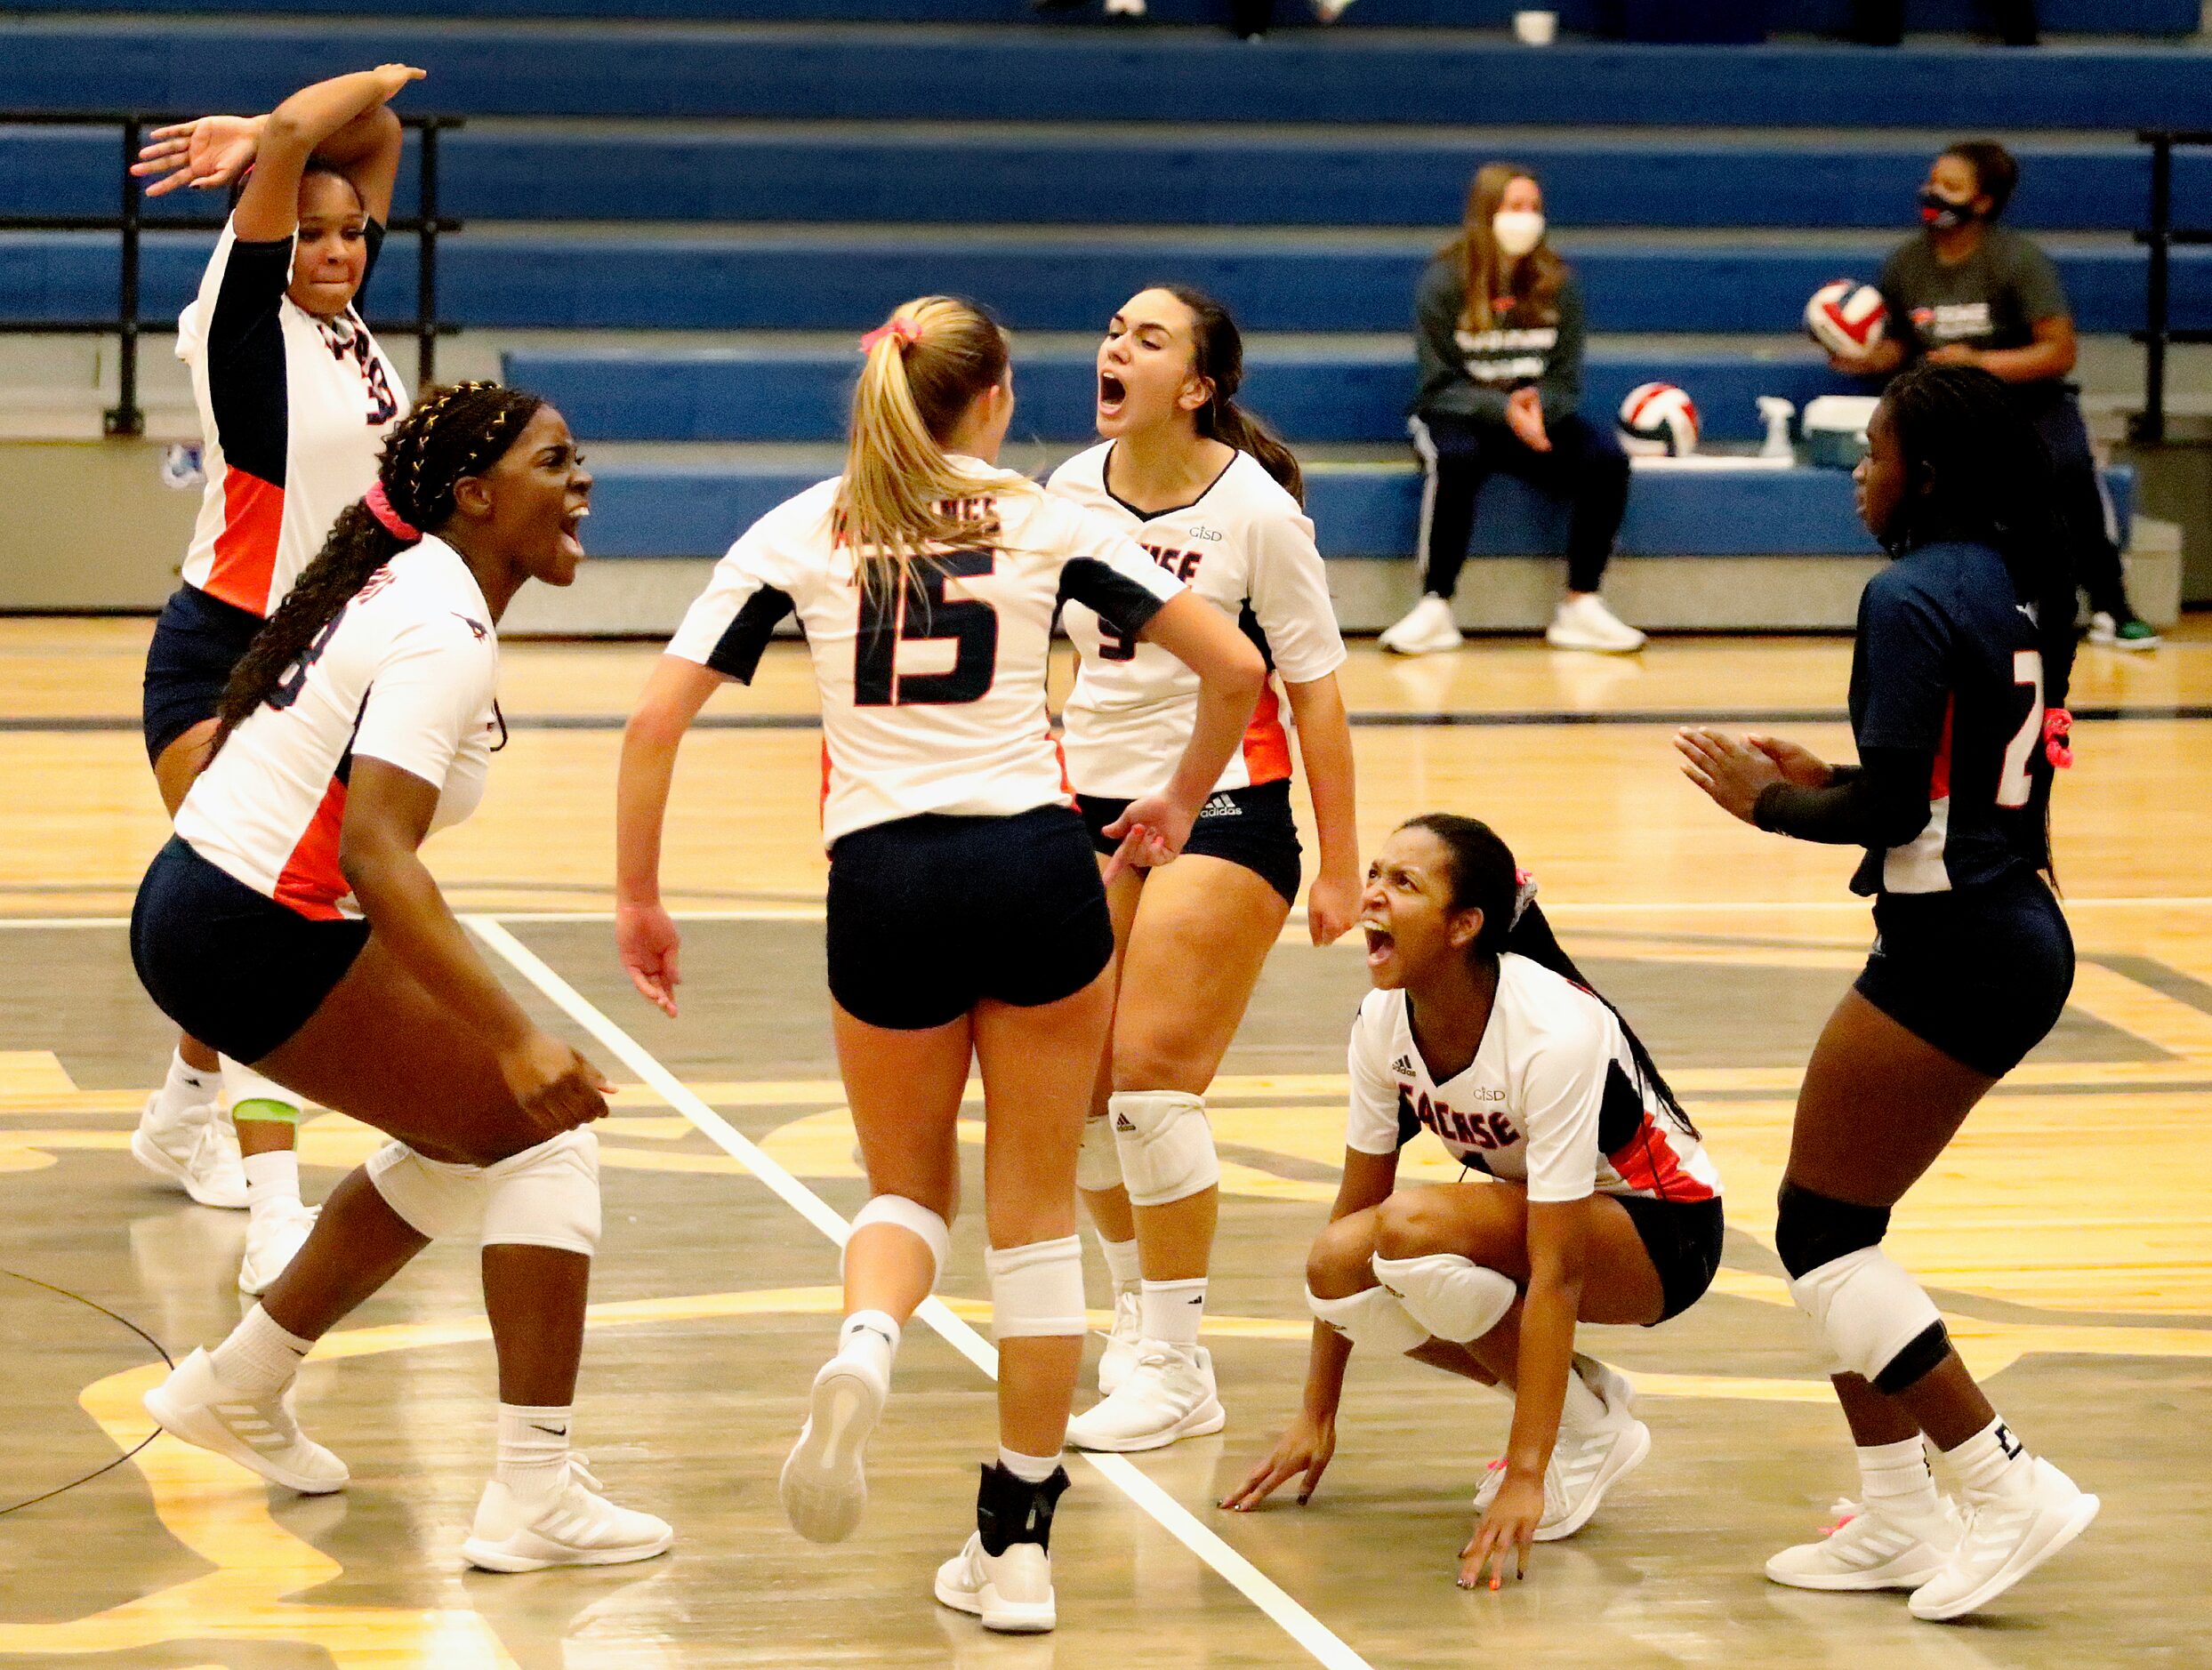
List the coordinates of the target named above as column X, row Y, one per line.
column 1658, row 421
column 1846, row 316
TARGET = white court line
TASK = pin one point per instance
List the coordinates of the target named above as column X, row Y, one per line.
column 1295, row 1621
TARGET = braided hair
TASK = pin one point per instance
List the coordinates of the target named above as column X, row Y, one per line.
column 1486, row 878
column 451, row 433
column 1976, row 469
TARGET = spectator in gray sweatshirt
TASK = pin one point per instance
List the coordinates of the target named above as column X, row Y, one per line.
column 1499, row 334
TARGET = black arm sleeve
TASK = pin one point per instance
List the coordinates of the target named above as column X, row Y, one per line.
column 737, row 652
column 1883, row 802
column 1121, row 603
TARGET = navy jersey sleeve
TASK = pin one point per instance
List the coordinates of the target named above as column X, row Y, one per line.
column 1904, row 644
column 373, row 235
column 1112, row 575
column 245, row 355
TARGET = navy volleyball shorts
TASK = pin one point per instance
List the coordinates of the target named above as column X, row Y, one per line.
column 197, row 642
column 1981, row 973
column 232, row 966
column 931, row 915
column 1252, row 827
column 1683, row 1239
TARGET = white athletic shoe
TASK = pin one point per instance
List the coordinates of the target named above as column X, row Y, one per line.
column 258, row 1433
column 1128, row 1332
column 1428, row 629
column 197, row 1151
column 1169, row 1394
column 824, row 1484
column 2109, row 632
column 1585, row 623
column 271, row 1242
column 1010, row 1592
column 2003, row 1538
column 574, row 1526
column 1867, row 1548
column 1583, row 1466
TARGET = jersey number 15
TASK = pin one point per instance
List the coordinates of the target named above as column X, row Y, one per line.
column 917, row 611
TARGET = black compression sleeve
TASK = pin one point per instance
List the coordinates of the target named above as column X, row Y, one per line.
column 1881, row 802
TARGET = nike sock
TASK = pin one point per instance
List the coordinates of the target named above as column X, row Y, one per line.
column 1173, row 1310
column 272, row 1181
column 1028, row 1469
column 1895, row 1478
column 871, row 1335
column 259, row 1357
column 533, row 1449
column 185, row 1088
column 1121, row 1261
column 1993, row 1462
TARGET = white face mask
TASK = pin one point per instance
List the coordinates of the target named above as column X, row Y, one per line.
column 1516, row 230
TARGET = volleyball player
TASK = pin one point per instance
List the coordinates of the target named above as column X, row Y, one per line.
column 295, row 399
column 290, row 921
column 1215, row 498
column 1601, row 1206
column 965, row 917
column 1957, row 708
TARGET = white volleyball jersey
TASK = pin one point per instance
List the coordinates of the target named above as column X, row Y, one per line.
column 292, row 414
column 1245, row 547
column 933, row 698
column 1554, row 1098
column 405, row 673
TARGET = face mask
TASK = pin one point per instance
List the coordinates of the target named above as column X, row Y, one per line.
column 1942, row 213
column 1517, row 231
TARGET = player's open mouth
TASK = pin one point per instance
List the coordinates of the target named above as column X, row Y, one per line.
column 571, row 540
column 1111, row 394
column 1379, row 944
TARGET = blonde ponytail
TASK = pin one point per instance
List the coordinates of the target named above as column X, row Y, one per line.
column 902, row 495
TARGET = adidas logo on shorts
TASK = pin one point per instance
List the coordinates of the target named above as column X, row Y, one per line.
column 1220, row 806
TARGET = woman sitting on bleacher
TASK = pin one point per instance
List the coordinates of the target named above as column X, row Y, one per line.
column 1498, row 328
column 1968, row 291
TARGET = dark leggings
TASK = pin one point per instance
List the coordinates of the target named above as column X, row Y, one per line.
column 1585, row 466
column 2081, row 501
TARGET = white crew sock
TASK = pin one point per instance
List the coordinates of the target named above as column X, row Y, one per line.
column 1993, row 1462
column 1028, row 1469
column 184, row 1089
column 1583, row 1410
column 1121, row 1260
column 533, row 1449
column 272, row 1181
column 1895, row 1478
column 260, row 1357
column 1173, row 1310
column 871, row 1335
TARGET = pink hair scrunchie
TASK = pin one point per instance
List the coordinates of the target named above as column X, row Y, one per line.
column 389, row 519
column 906, row 332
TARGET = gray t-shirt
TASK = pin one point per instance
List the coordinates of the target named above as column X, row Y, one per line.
column 1993, row 299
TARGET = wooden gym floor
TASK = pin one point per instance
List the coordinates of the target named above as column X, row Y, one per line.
column 2066, row 1235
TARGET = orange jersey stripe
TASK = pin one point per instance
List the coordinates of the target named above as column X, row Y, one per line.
column 246, row 551
column 1267, row 744
column 312, row 883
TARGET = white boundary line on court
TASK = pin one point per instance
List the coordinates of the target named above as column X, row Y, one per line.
column 1295, row 1621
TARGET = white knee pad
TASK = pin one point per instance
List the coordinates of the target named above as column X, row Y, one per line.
column 241, row 1084
column 546, row 1196
column 1099, row 1161
column 1372, row 1320
column 1166, row 1146
column 1452, row 1297
column 911, row 1215
column 1867, row 1308
column 436, row 1200
column 1037, row 1289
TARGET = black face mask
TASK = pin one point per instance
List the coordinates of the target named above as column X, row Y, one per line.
column 1939, row 213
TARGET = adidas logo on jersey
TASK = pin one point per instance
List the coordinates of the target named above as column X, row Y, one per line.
column 1121, row 1123
column 1220, row 806
column 1404, row 1064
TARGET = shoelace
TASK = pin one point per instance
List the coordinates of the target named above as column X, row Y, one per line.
column 1845, row 1510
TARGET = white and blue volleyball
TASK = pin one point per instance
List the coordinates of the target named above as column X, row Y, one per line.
column 1658, row 421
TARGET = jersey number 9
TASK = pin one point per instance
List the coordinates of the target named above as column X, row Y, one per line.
column 917, row 610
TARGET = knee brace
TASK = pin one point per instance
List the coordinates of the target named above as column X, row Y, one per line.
column 253, row 1096
column 1453, row 1297
column 1372, row 1320
column 1166, row 1146
column 911, row 1215
column 546, row 1196
column 1037, row 1289
column 1874, row 1318
column 1099, row 1161
column 437, row 1201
